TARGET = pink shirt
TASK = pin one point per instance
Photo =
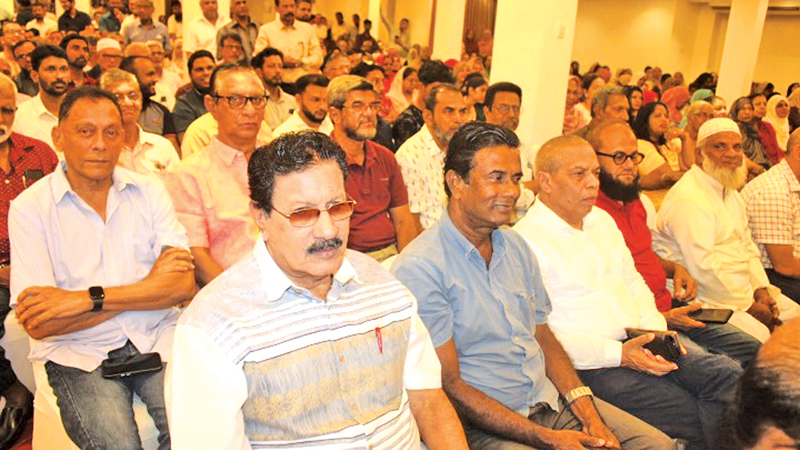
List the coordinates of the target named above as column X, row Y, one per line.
column 211, row 196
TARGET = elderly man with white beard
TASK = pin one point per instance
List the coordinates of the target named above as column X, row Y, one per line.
column 702, row 225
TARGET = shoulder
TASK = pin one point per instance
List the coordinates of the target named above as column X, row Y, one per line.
column 36, row 196
column 426, row 252
column 32, row 145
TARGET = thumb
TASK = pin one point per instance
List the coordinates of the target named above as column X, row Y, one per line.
column 592, row 441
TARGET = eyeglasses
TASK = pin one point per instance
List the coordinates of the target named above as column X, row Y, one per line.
column 7, row 111
column 621, row 157
column 307, row 217
column 132, row 96
column 238, row 101
column 360, row 107
column 505, row 109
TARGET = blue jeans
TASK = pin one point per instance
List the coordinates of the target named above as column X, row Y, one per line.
column 686, row 404
column 98, row 413
column 724, row 339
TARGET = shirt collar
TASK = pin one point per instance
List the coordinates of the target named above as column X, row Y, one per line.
column 550, row 219
column 454, row 235
column 427, row 139
column 370, row 156
column 38, row 105
column 791, row 178
column 60, row 185
column 225, row 153
column 276, row 283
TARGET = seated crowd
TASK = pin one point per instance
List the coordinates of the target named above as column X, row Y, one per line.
column 292, row 235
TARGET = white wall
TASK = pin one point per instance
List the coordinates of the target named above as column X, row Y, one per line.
column 778, row 58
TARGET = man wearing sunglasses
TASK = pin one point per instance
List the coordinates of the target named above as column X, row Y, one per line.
column 209, row 188
column 304, row 344
column 619, row 196
column 382, row 223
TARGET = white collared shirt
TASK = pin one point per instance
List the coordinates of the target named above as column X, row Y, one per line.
column 593, row 284
column 201, row 34
column 34, row 120
column 298, row 41
column 57, row 239
column 279, row 110
column 152, row 155
column 422, row 163
column 296, row 123
column 703, row 227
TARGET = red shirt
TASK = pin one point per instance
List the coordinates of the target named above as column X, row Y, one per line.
column 631, row 219
column 769, row 141
column 377, row 186
column 31, row 159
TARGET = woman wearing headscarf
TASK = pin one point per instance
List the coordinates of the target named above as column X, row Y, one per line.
column 675, row 99
column 794, row 109
column 700, row 95
column 741, row 112
column 778, row 117
column 635, row 100
column 401, row 93
column 591, row 82
column 573, row 119
column 769, row 140
column 662, row 165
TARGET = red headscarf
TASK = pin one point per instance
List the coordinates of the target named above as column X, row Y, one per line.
column 674, row 98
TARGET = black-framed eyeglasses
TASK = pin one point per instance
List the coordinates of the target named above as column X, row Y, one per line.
column 238, row 101
column 307, row 217
column 621, row 157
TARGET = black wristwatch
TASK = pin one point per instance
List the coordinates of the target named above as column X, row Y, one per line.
column 97, row 294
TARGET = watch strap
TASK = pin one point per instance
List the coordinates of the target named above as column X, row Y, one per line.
column 578, row 392
column 97, row 294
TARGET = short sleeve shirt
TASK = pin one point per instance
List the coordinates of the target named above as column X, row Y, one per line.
column 422, row 163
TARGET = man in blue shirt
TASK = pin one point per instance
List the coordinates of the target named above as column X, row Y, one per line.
column 482, row 298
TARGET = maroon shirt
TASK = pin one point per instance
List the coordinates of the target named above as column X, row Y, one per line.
column 631, row 219
column 769, row 140
column 377, row 186
column 31, row 159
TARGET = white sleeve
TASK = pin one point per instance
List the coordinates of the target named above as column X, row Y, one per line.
column 652, row 159
column 422, row 369
column 204, row 394
column 30, row 255
column 262, row 40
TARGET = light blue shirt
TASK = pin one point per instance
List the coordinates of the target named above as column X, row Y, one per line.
column 57, row 239
column 490, row 313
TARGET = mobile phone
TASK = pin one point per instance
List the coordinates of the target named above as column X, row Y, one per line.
column 131, row 365
column 666, row 343
column 711, row 315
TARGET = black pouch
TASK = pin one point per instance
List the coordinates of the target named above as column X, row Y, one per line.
column 131, row 365
column 665, row 343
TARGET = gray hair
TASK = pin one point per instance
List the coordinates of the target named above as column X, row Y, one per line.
column 114, row 76
column 600, row 99
column 339, row 87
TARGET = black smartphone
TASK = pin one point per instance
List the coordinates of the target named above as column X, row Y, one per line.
column 131, row 365
column 666, row 343
column 711, row 315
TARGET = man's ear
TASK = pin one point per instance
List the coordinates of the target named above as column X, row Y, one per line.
column 427, row 116
column 335, row 114
column 55, row 133
column 455, row 183
column 35, row 76
column 261, row 218
column 211, row 105
column 545, row 182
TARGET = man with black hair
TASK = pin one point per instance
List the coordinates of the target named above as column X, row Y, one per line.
column 190, row 105
column 364, row 41
column 37, row 117
column 312, row 110
column 77, row 50
column 295, row 39
column 72, row 19
column 201, row 33
column 358, row 365
column 155, row 117
column 230, row 49
column 24, row 81
column 303, row 12
column 243, row 26
column 376, row 75
column 268, row 64
column 410, row 121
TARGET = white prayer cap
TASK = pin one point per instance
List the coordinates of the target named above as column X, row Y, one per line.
column 107, row 43
column 717, row 125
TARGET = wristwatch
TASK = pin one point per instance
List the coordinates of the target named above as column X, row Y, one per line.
column 578, row 392
column 97, row 294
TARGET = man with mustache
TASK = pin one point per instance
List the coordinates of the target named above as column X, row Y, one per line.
column 312, row 107
column 597, row 294
column 304, row 344
column 702, row 225
column 37, row 117
column 23, row 161
column 297, row 40
column 421, row 157
column 209, row 187
column 77, row 50
column 268, row 63
column 382, row 224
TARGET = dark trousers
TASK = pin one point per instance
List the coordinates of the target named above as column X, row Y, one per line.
column 7, row 376
column 789, row 286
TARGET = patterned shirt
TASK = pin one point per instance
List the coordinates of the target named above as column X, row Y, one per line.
column 422, row 163
column 280, row 368
column 152, row 155
column 772, row 202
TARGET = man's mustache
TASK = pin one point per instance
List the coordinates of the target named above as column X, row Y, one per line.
column 324, row 244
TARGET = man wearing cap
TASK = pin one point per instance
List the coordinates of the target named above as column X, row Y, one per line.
column 702, row 225
column 109, row 56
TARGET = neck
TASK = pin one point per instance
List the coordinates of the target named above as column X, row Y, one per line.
column 146, row 21
column 131, row 135
column 287, row 23
column 794, row 164
column 274, row 91
column 352, row 148
column 313, row 125
column 211, row 17
column 479, row 235
column 246, row 146
column 51, row 103
column 89, row 189
column 243, row 20
column 692, row 133
column 439, row 143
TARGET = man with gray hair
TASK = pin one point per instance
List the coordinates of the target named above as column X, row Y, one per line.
column 382, row 223
column 421, row 157
column 772, row 202
column 609, row 102
column 702, row 225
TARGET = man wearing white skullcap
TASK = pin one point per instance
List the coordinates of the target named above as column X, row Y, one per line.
column 702, row 225
column 109, row 56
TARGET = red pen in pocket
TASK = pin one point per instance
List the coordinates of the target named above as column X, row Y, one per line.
column 379, row 337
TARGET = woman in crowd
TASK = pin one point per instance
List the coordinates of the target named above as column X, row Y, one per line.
column 635, row 100
column 742, row 113
column 402, row 91
column 794, row 109
column 664, row 161
column 474, row 90
column 720, row 106
column 697, row 114
column 622, row 78
column 769, row 139
column 676, row 98
column 470, row 43
column 703, row 81
column 591, row 83
column 778, row 117
column 573, row 120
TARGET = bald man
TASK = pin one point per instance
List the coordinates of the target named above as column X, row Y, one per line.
column 597, row 295
column 23, row 161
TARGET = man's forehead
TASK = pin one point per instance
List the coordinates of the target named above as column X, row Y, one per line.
column 506, row 98
column 54, row 61
column 728, row 137
column 85, row 112
column 497, row 158
column 619, row 135
column 240, row 83
column 578, row 156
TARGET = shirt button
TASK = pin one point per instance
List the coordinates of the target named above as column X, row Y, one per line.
column 7, row 181
column 342, row 358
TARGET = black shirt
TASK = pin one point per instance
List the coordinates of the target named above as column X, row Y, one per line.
column 77, row 23
column 407, row 124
